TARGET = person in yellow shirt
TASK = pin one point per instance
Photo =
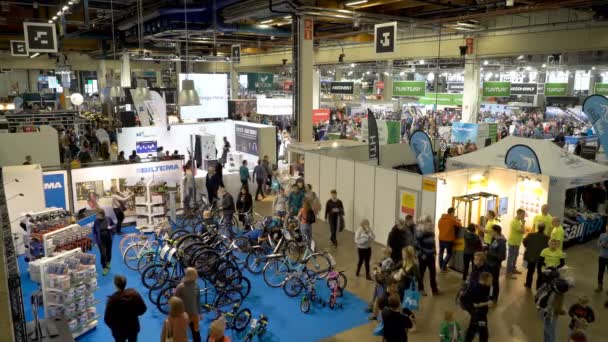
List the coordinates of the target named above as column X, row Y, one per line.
column 545, row 218
column 558, row 232
column 516, row 235
column 487, row 232
column 552, row 257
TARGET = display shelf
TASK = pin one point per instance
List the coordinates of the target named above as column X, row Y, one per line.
column 59, row 119
column 73, row 233
column 150, row 203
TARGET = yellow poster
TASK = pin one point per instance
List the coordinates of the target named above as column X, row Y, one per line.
column 407, row 204
column 429, row 185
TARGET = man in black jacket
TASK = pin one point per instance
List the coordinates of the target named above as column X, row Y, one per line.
column 334, row 215
column 227, row 204
column 123, row 310
column 213, row 181
column 535, row 243
column 397, row 240
column 497, row 252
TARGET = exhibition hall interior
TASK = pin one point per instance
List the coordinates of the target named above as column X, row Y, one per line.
column 299, row 170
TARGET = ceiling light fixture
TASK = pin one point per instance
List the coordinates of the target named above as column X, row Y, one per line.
column 355, row 3
column 55, row 17
column 352, row 65
column 266, row 21
column 65, row 8
column 115, row 90
column 50, row 21
column 422, row 61
column 544, row 65
column 287, row 17
column 35, row 55
column 188, row 95
column 592, row 68
column 486, row 62
column 521, row 57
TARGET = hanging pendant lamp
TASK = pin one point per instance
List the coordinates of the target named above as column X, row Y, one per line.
column 188, row 96
column 142, row 90
column 116, row 91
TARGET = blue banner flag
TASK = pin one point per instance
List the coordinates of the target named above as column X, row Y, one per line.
column 596, row 109
column 421, row 146
column 523, row 158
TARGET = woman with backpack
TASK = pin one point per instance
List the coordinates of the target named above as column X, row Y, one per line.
column 307, row 218
column 363, row 239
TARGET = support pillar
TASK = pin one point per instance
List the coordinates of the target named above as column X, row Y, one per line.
column 387, row 93
column 316, row 88
column 303, row 61
column 471, row 93
column 102, row 75
column 234, row 82
column 125, row 71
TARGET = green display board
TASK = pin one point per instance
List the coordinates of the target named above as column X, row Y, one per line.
column 393, row 129
column 260, row 81
column 492, row 131
column 441, row 99
column 601, row 89
column 556, row 89
column 409, row 88
column 496, row 89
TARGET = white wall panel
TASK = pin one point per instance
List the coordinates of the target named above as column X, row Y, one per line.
column 409, row 180
column 327, row 179
column 43, row 146
column 364, row 192
column 311, row 170
column 385, row 205
column 345, row 185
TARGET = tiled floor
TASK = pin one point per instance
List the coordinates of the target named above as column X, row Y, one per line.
column 514, row 319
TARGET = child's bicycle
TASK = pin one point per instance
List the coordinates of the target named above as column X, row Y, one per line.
column 310, row 296
column 236, row 319
column 258, row 328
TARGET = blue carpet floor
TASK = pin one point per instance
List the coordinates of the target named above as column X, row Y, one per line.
column 286, row 321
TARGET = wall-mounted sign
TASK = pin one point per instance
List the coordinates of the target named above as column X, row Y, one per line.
column 496, row 89
column 524, row 88
column 246, row 138
column 235, row 53
column 320, row 115
column 145, row 147
column 212, row 90
column 275, row 106
column 556, row 89
column 385, row 36
column 18, row 48
column 342, row 88
column 55, row 189
column 409, row 88
column 456, row 87
column 601, row 89
column 40, row 37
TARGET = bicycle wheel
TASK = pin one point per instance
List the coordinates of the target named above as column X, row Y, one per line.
column 293, row 251
column 255, row 261
column 305, row 304
column 132, row 254
column 162, row 301
column 318, row 263
column 293, row 286
column 145, row 260
column 341, row 280
column 154, row 276
column 128, row 240
column 206, row 262
column 241, row 247
column 227, row 299
column 241, row 319
column 243, row 285
column 275, row 272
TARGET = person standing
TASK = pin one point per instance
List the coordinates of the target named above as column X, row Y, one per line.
column 217, row 331
column 119, row 205
column 602, row 244
column 244, row 204
column 268, row 167
column 225, row 150
column 487, row 232
column 295, row 200
column 189, row 292
column 396, row 324
column 312, row 197
column 448, row 229
column 213, row 183
column 279, row 204
column 123, row 310
column 545, row 218
column 472, row 245
column 260, row 176
column 516, row 235
column 176, row 325
column 480, row 298
column 497, row 252
column 535, row 243
column 558, row 232
column 397, row 239
column 226, row 205
column 307, row 218
column 244, row 174
column 102, row 232
column 425, row 237
column 28, row 160
column 334, row 215
column 364, row 236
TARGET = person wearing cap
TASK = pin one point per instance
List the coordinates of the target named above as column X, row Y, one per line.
column 189, row 292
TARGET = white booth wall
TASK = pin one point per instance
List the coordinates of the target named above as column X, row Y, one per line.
column 43, row 146
column 390, row 155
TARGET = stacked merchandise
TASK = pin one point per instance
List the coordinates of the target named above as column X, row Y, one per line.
column 69, row 282
column 68, row 238
column 40, row 223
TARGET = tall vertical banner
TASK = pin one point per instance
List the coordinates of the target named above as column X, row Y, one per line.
column 596, row 108
column 523, row 158
column 385, row 37
column 373, row 141
column 421, row 146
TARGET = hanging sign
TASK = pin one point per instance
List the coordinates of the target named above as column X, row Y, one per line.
column 441, row 99
column 342, row 88
column 235, row 53
column 373, row 141
column 601, row 89
column 18, row 48
column 260, row 81
column 421, row 146
column 456, row 87
column 385, row 36
column 556, row 89
column 409, row 88
column 40, row 37
column 320, row 115
column 524, row 88
column 523, row 158
column 596, row 108
column 496, row 89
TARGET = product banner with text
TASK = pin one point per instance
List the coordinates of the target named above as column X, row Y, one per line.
column 556, row 89
column 596, row 108
column 601, row 89
column 212, row 90
column 523, row 158
column 496, row 89
column 320, row 115
column 463, row 132
column 246, row 139
column 456, row 87
column 420, row 144
column 346, row 88
column 373, row 141
column 389, row 131
column 407, row 203
column 55, row 189
column 409, row 88
column 441, row 99
column 274, row 106
column 260, row 81
column 524, row 88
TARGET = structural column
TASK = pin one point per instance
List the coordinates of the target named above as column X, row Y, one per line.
column 303, row 61
column 234, row 82
column 316, row 91
column 470, row 97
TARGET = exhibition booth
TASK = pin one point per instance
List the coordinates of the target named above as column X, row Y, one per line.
column 565, row 171
column 41, row 145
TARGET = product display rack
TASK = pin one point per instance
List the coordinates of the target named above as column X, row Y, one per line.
column 40, row 223
column 57, row 119
column 62, row 239
column 69, row 283
column 150, row 206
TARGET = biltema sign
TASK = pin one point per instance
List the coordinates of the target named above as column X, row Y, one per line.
column 53, row 185
column 601, row 89
column 342, row 88
column 160, row 168
column 496, row 89
column 54, row 190
column 409, row 88
column 556, row 89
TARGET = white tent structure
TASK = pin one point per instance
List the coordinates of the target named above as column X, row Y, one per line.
column 565, row 170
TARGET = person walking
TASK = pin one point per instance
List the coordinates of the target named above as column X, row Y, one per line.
column 102, row 233
column 448, row 226
column 554, row 309
column 497, row 252
column 260, row 176
column 558, row 233
column 244, row 204
column 295, row 200
column 226, row 205
column 534, row 244
column 516, row 235
column 426, row 253
column 119, row 205
column 244, row 174
column 307, row 218
column 225, row 151
column 364, row 236
column 213, row 182
column 312, row 197
column 123, row 310
column 480, row 298
column 334, row 215
column 472, row 245
column 217, row 331
column 189, row 292
column 409, row 272
column 602, row 244
column 544, row 217
column 397, row 239
column 176, row 325
column 279, row 204
column 268, row 167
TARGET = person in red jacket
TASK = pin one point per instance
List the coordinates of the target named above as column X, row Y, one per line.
column 123, row 310
column 448, row 229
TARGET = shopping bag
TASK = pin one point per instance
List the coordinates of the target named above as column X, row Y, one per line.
column 411, row 298
column 379, row 330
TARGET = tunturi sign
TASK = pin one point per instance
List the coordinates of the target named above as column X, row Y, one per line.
column 556, row 89
column 441, row 99
column 601, row 89
column 409, row 88
column 496, row 89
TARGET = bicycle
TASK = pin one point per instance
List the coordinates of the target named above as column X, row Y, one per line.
column 310, row 296
column 258, row 328
column 258, row 257
column 237, row 319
